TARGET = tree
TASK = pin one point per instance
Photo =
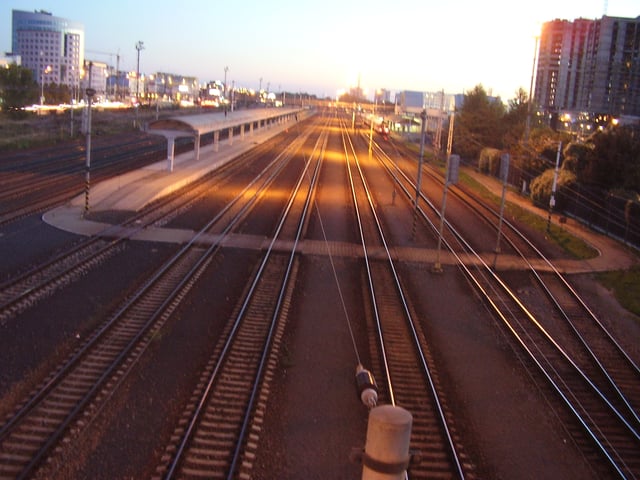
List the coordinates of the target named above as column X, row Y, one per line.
column 478, row 124
column 515, row 120
column 17, row 89
column 613, row 161
column 542, row 186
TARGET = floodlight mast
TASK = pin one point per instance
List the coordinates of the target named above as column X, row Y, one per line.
column 139, row 46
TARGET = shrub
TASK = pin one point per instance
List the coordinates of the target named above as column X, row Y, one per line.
column 542, row 185
column 489, row 161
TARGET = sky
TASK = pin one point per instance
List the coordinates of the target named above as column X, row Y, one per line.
column 324, row 47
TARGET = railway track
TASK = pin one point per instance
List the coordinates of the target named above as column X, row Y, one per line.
column 400, row 345
column 221, row 428
column 32, row 286
column 218, row 431
column 34, row 183
column 576, row 360
column 75, row 389
column 582, row 334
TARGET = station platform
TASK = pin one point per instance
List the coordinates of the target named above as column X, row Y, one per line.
column 133, row 190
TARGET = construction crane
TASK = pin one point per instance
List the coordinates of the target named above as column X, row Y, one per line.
column 111, row 55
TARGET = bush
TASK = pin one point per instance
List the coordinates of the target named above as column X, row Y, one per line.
column 542, row 185
column 489, row 161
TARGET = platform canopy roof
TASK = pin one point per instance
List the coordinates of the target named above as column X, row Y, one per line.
column 200, row 124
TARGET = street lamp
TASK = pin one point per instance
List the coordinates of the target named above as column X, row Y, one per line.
column 45, row 70
column 226, row 69
column 530, row 104
column 139, row 46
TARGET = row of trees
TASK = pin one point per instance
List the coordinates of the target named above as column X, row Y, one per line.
column 598, row 177
column 608, row 159
column 18, row 89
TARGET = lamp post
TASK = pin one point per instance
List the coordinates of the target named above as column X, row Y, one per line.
column 226, row 69
column 530, row 104
column 233, row 90
column 139, row 46
column 45, row 70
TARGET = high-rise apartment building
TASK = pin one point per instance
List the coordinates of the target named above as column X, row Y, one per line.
column 590, row 66
column 52, row 47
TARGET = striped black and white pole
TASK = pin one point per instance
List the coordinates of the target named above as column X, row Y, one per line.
column 87, row 179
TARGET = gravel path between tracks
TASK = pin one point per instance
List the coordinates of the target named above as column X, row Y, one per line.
column 510, row 430
column 315, row 418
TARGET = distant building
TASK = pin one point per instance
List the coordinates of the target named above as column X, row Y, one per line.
column 437, row 107
column 95, row 75
column 410, row 102
column 52, row 47
column 170, row 87
column 10, row 59
column 589, row 68
column 382, row 96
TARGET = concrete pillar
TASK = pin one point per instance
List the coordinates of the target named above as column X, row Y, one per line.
column 230, row 136
column 251, row 129
column 216, row 140
column 242, row 132
column 171, row 144
column 196, row 146
column 386, row 454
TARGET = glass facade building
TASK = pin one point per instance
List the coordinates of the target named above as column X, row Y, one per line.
column 52, row 47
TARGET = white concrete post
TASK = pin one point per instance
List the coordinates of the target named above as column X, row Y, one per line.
column 171, row 143
column 242, row 132
column 216, row 140
column 197, row 146
column 251, row 129
column 386, row 455
column 230, row 136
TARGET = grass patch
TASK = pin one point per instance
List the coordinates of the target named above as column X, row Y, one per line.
column 625, row 285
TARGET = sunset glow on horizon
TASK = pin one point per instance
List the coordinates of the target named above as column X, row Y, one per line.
column 317, row 48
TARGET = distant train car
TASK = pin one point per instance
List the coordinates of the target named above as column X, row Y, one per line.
column 380, row 125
